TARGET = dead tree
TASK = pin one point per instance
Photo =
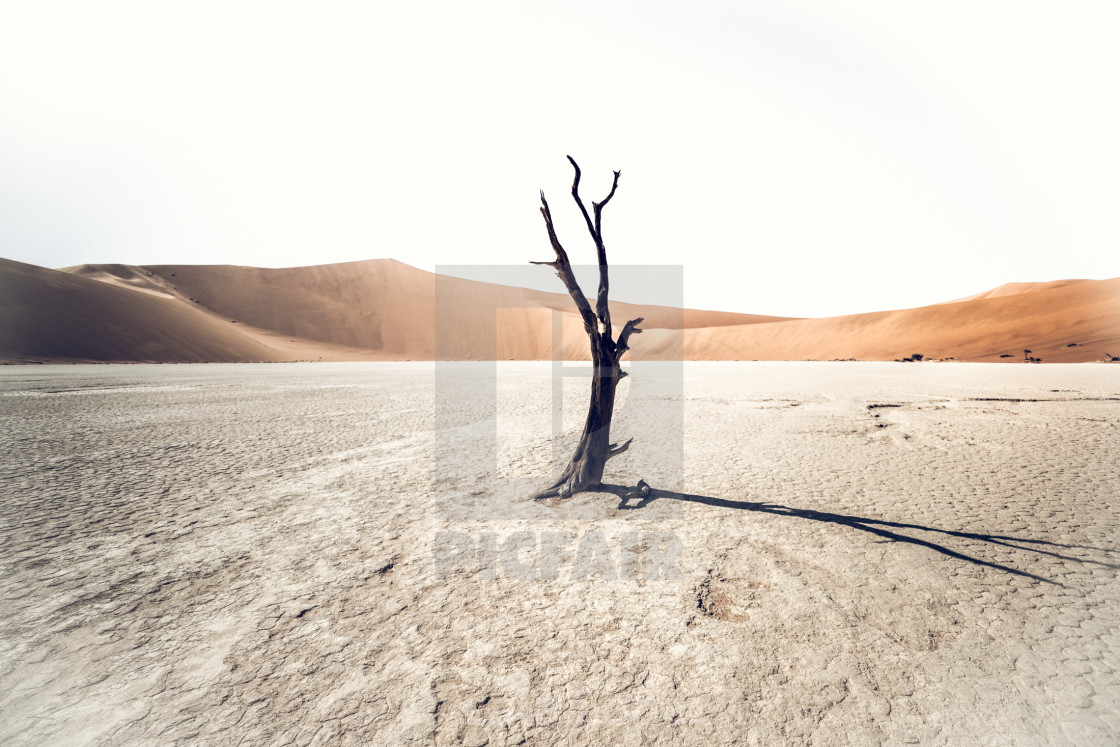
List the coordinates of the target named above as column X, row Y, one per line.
column 585, row 469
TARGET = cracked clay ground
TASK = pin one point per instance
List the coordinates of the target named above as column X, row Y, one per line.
column 287, row 554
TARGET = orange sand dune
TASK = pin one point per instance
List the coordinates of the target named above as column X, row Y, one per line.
column 1011, row 289
column 55, row 315
column 48, row 315
column 384, row 309
column 389, row 307
column 1045, row 321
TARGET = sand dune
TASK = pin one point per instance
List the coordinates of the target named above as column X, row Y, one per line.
column 1058, row 323
column 388, row 307
column 58, row 316
column 384, row 309
column 1012, row 289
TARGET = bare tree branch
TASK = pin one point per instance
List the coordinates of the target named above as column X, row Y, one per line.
column 576, row 197
column 615, row 449
column 602, row 308
column 601, row 305
column 564, row 271
column 600, row 205
column 623, row 343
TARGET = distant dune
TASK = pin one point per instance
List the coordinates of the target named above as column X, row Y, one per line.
column 1059, row 323
column 1012, row 289
column 385, row 310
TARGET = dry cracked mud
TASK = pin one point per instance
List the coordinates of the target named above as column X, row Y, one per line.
column 312, row 554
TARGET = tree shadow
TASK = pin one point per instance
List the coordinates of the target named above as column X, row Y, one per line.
column 873, row 526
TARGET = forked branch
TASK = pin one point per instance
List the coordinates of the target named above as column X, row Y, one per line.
column 602, row 308
column 563, row 269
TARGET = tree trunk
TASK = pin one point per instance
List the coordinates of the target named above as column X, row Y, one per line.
column 585, row 469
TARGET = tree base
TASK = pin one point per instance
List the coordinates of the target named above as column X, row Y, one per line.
column 584, row 473
column 564, row 489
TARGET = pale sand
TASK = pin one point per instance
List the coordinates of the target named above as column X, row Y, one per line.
column 245, row 554
column 385, row 310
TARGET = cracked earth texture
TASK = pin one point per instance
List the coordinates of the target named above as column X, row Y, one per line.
column 865, row 553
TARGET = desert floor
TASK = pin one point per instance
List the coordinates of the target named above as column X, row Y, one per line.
column 314, row 554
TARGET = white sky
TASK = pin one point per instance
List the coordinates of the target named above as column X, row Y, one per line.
column 799, row 158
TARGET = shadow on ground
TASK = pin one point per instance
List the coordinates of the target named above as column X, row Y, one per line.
column 879, row 527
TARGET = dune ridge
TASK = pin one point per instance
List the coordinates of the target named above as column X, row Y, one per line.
column 1012, row 289
column 383, row 309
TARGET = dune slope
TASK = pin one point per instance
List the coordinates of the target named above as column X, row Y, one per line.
column 51, row 315
column 390, row 308
column 1058, row 323
column 384, row 309
column 1012, row 289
